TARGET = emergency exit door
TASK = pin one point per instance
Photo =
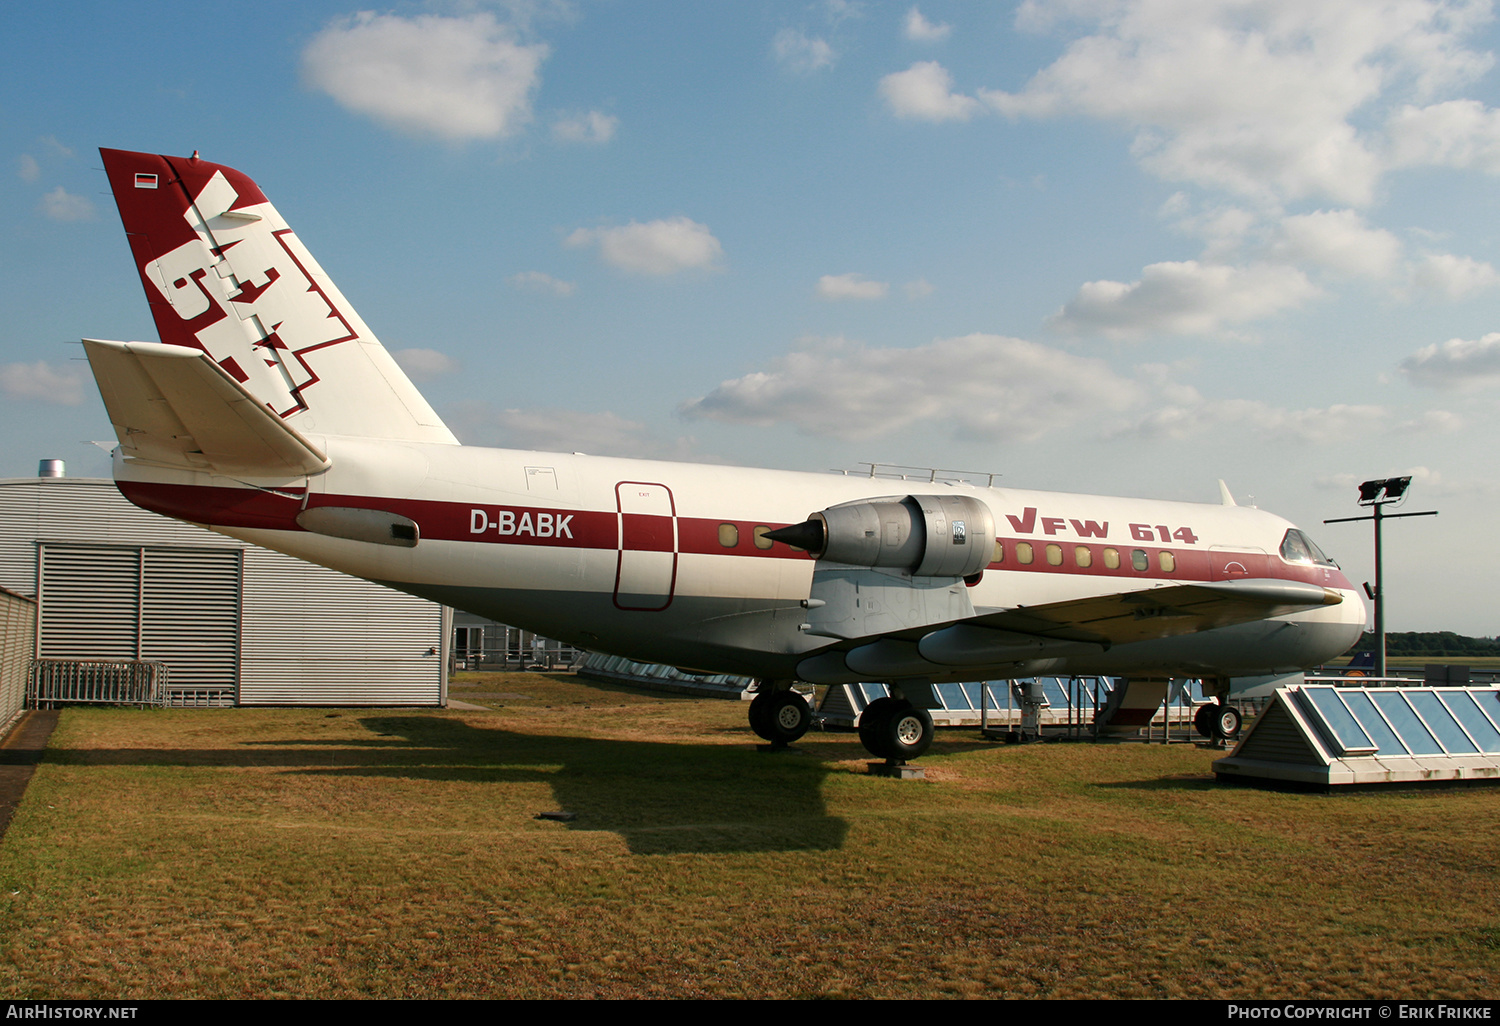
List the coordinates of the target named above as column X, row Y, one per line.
column 647, row 569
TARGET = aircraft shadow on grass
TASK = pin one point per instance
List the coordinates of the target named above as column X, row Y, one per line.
column 662, row 798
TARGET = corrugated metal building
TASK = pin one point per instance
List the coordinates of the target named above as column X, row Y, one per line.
column 235, row 623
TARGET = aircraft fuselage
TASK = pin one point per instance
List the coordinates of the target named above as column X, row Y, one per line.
column 666, row 562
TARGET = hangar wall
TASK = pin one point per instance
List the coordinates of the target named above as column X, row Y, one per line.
column 235, row 623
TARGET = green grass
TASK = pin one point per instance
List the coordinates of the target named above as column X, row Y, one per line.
column 394, row 853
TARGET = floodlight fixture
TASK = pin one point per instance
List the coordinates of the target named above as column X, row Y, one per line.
column 1379, row 492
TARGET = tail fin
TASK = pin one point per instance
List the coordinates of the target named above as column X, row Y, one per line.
column 224, row 274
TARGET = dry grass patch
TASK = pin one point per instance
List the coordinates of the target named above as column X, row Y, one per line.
column 395, row 853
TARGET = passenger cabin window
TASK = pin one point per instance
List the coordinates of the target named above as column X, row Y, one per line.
column 999, row 552
column 1083, row 556
column 1023, row 552
column 1166, row 561
column 1297, row 547
column 1054, row 555
column 1140, row 560
column 729, row 535
column 1112, row 559
column 761, row 541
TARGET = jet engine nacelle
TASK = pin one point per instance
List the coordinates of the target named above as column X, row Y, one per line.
column 926, row 535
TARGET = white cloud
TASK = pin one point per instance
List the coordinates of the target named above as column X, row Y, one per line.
column 838, row 10
column 1258, row 97
column 27, row 168
column 1316, row 425
column 1458, row 133
column 1454, row 276
column 802, row 53
column 1436, row 422
column 1183, row 298
column 538, row 281
column 919, row 288
column 850, row 286
column 43, row 382
column 1224, row 229
column 424, row 364
column 593, row 127
column 924, row 92
column 920, row 30
column 600, row 433
column 985, row 386
column 453, row 78
column 1340, row 241
column 1456, row 363
column 655, row 247
column 61, row 205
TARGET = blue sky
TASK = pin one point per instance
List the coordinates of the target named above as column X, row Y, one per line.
column 1125, row 248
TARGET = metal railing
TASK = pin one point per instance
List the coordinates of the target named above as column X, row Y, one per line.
column 54, row 682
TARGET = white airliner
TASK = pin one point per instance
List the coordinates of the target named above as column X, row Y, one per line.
column 270, row 412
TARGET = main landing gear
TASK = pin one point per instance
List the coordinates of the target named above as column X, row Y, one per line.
column 1218, row 721
column 894, row 729
column 779, row 716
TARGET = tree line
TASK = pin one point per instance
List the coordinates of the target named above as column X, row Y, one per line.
column 1429, row 643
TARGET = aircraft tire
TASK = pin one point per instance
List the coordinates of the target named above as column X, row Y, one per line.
column 760, row 715
column 872, row 726
column 908, row 732
column 1203, row 719
column 787, row 717
column 1227, row 721
column 902, row 732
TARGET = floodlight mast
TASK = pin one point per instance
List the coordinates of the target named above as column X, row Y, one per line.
column 1377, row 494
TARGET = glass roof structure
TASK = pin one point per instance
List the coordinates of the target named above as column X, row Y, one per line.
column 1331, row 736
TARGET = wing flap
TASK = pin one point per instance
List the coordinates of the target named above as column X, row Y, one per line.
column 175, row 406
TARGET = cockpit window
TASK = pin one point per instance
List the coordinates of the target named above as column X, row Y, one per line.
column 1297, row 547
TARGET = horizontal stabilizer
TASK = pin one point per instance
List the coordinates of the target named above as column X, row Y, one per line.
column 174, row 406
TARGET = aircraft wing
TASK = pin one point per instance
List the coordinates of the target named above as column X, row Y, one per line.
column 1131, row 615
column 1108, row 620
column 174, row 406
column 1160, row 612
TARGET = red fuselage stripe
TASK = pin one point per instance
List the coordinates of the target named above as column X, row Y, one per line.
column 599, row 529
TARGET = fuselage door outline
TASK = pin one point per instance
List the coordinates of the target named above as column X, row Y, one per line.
column 646, row 571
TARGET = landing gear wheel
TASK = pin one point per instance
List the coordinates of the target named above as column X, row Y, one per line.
column 760, row 715
column 1226, row 722
column 1203, row 719
column 896, row 730
column 908, row 732
column 787, row 717
column 872, row 725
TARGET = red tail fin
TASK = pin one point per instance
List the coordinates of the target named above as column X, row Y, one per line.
column 223, row 273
